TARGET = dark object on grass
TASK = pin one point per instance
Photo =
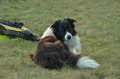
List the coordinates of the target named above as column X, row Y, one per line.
column 16, row 29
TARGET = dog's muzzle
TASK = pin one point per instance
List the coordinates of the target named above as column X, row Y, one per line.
column 68, row 36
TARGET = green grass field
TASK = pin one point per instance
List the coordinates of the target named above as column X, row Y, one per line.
column 98, row 25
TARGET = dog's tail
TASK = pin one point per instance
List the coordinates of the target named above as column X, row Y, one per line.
column 86, row 62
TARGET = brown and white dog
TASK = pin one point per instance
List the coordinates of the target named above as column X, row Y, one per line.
column 53, row 54
column 64, row 30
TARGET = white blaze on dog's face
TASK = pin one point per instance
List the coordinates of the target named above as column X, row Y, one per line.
column 64, row 29
column 68, row 35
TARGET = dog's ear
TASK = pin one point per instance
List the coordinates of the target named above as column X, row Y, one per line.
column 71, row 20
column 55, row 24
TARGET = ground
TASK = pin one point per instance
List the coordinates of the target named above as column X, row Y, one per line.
column 98, row 25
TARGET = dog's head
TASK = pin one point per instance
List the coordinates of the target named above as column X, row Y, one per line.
column 64, row 29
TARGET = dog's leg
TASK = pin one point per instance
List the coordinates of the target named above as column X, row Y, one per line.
column 86, row 62
column 74, row 44
column 72, row 49
column 78, row 46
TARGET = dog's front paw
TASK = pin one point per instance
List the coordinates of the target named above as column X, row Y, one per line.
column 86, row 62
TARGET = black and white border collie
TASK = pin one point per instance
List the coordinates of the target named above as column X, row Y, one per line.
column 58, row 47
column 64, row 31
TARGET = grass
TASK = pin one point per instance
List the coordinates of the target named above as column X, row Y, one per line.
column 98, row 25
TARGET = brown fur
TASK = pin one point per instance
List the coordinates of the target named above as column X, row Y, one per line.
column 52, row 53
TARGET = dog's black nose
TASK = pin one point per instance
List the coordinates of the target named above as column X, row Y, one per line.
column 69, row 37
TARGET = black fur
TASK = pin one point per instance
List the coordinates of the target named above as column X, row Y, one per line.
column 53, row 54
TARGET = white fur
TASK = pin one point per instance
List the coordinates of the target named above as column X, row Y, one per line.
column 86, row 62
column 48, row 32
column 73, row 44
